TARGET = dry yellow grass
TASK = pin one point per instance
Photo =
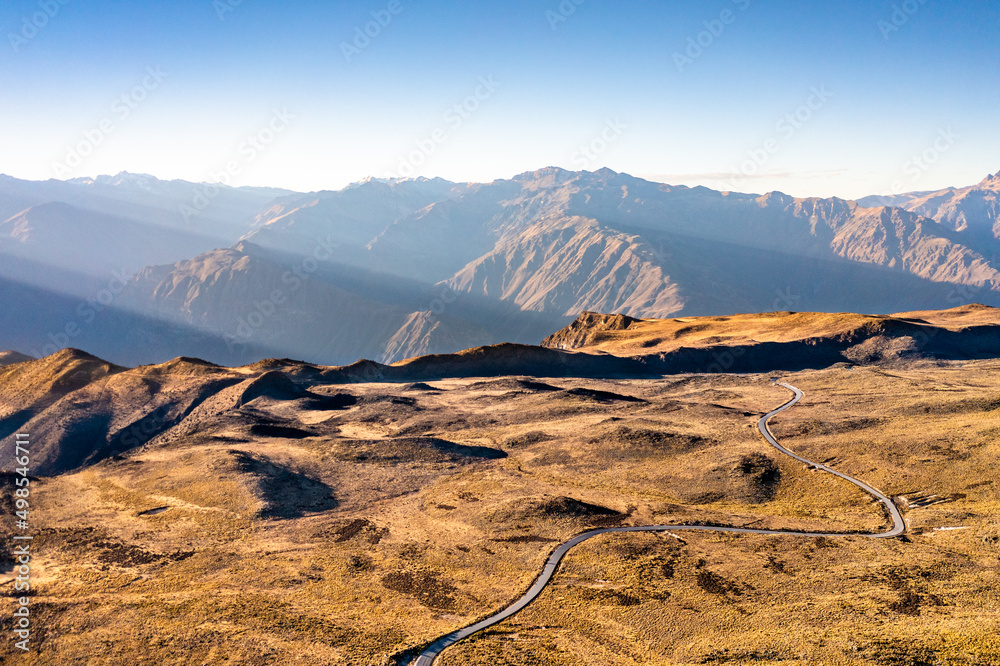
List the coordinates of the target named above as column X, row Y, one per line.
column 424, row 537
column 649, row 336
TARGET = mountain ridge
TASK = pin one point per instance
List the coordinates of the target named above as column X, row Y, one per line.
column 391, row 269
column 86, row 410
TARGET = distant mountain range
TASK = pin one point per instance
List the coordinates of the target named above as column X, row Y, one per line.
column 139, row 270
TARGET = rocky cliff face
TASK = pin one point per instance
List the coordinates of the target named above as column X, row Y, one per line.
column 253, row 304
column 346, row 219
column 897, row 239
column 973, row 212
column 566, row 265
column 587, row 330
column 334, row 276
column 425, row 333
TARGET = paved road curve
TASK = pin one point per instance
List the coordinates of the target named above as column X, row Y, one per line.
column 432, row 651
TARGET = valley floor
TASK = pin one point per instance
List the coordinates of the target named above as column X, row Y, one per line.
column 284, row 534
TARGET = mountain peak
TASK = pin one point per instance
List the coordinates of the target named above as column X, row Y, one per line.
column 73, row 354
column 54, row 206
column 48, row 212
column 373, row 180
column 122, row 178
column 246, row 247
column 991, row 182
column 775, row 198
column 382, row 184
column 551, row 172
column 552, row 176
column 10, row 357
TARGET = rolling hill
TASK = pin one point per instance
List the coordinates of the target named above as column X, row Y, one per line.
column 84, row 409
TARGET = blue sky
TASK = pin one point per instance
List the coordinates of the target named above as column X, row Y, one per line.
column 813, row 99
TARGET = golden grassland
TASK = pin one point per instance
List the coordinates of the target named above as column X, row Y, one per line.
column 610, row 334
column 389, row 523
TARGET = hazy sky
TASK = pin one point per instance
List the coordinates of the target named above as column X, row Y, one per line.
column 810, row 98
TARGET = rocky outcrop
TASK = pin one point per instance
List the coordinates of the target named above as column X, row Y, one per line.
column 588, row 329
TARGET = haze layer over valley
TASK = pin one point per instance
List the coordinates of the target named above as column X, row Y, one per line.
column 139, row 270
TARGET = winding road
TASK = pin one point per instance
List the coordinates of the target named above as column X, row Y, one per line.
column 432, row 651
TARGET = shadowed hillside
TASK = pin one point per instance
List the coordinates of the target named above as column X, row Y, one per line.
column 392, row 269
column 971, row 331
column 348, row 523
column 83, row 410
